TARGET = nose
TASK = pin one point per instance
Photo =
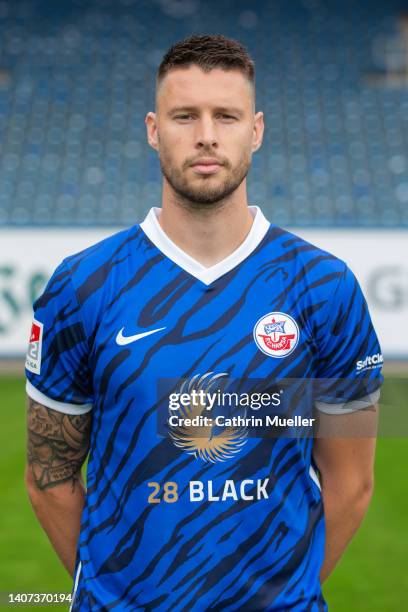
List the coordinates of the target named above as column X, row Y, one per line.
column 206, row 133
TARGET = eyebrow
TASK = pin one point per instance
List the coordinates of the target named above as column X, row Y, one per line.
column 224, row 109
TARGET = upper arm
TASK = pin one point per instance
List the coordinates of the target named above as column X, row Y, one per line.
column 57, row 444
column 347, row 389
column 59, row 385
column 350, row 358
column 57, row 365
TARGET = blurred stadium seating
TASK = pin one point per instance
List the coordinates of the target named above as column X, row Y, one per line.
column 77, row 78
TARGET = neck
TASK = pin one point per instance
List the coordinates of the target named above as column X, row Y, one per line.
column 210, row 234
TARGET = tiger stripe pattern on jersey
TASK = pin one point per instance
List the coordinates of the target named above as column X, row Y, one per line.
column 182, row 523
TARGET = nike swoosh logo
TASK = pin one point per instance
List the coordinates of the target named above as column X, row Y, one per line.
column 123, row 340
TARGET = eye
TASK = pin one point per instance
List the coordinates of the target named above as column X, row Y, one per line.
column 225, row 116
column 182, row 116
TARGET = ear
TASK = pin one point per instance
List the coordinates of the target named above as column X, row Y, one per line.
column 151, row 129
column 258, row 131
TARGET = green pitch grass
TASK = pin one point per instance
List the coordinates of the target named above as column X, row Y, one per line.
column 373, row 574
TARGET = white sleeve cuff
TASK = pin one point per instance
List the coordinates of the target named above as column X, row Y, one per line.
column 39, row 397
column 314, row 477
column 347, row 407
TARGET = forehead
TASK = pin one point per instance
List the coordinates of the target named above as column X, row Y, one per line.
column 191, row 86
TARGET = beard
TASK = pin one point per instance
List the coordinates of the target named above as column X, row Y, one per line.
column 203, row 191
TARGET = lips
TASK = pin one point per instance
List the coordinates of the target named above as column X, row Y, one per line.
column 207, row 166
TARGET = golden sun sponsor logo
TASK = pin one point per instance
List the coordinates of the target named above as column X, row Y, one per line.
column 204, row 441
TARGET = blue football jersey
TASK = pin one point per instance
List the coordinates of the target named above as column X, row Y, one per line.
column 188, row 505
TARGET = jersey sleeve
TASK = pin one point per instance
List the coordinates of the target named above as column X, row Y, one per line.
column 57, row 368
column 350, row 360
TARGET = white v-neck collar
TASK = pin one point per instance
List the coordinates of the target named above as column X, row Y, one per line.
column 154, row 232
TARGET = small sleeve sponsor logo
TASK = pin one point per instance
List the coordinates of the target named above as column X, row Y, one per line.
column 33, row 357
column 370, row 362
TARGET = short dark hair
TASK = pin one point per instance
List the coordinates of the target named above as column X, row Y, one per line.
column 208, row 51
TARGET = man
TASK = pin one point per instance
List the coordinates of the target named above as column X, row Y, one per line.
column 182, row 513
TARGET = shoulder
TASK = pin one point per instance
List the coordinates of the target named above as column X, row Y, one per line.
column 109, row 257
column 103, row 265
column 104, row 251
column 285, row 246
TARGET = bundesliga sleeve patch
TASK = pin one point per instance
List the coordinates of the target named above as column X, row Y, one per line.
column 33, row 358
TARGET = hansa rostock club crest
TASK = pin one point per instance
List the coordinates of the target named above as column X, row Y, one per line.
column 276, row 334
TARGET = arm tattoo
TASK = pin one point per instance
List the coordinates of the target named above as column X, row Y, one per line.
column 58, row 444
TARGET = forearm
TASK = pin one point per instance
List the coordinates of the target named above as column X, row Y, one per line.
column 58, row 510
column 346, row 469
column 344, row 511
column 57, row 447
